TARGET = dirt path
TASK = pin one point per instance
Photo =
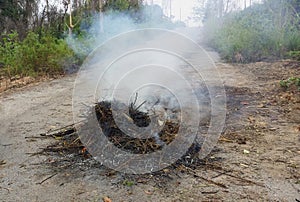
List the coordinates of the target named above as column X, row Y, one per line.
column 257, row 158
column 261, row 141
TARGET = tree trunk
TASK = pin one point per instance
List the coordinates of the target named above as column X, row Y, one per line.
column 101, row 16
column 70, row 26
column 47, row 12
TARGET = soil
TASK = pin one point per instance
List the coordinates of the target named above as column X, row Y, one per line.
column 257, row 157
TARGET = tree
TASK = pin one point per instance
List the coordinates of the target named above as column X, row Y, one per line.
column 17, row 15
column 122, row 5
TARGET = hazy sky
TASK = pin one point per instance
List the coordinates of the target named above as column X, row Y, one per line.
column 180, row 9
column 183, row 9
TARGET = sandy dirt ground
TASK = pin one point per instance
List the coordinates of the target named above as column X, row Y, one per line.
column 257, row 157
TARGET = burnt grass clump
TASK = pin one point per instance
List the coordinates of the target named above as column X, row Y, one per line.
column 68, row 151
column 141, row 119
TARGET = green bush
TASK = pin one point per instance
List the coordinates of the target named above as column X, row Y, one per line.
column 35, row 55
column 8, row 52
column 292, row 41
column 289, row 82
column 295, row 55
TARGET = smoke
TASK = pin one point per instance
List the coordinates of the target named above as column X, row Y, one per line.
column 128, row 60
column 114, row 24
column 94, row 31
column 93, row 36
column 160, row 70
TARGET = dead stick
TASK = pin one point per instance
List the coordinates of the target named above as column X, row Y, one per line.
column 58, row 129
column 136, row 96
column 55, row 149
column 6, row 145
column 47, row 178
column 34, row 153
column 226, row 172
column 5, row 189
column 205, row 179
column 241, row 179
column 140, row 105
column 209, row 192
column 36, row 137
column 219, row 174
column 211, row 181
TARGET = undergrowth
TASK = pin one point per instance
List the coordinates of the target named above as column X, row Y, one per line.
column 34, row 56
column 292, row 81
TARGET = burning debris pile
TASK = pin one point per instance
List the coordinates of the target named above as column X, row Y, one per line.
column 68, row 146
column 141, row 119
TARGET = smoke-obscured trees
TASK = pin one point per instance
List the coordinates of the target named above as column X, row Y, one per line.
column 268, row 30
column 213, row 9
column 36, row 36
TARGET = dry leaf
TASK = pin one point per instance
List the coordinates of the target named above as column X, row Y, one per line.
column 223, row 139
column 244, row 103
column 106, row 199
column 244, row 165
column 148, row 192
column 246, row 151
column 260, row 106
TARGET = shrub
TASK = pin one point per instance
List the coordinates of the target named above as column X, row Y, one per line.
column 8, row 52
column 35, row 55
column 291, row 81
column 295, row 55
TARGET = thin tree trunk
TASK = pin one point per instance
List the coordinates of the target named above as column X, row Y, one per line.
column 70, row 20
column 47, row 12
column 101, row 16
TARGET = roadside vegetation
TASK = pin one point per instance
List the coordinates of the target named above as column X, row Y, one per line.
column 45, row 38
column 35, row 55
column 49, row 39
column 260, row 32
column 290, row 82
